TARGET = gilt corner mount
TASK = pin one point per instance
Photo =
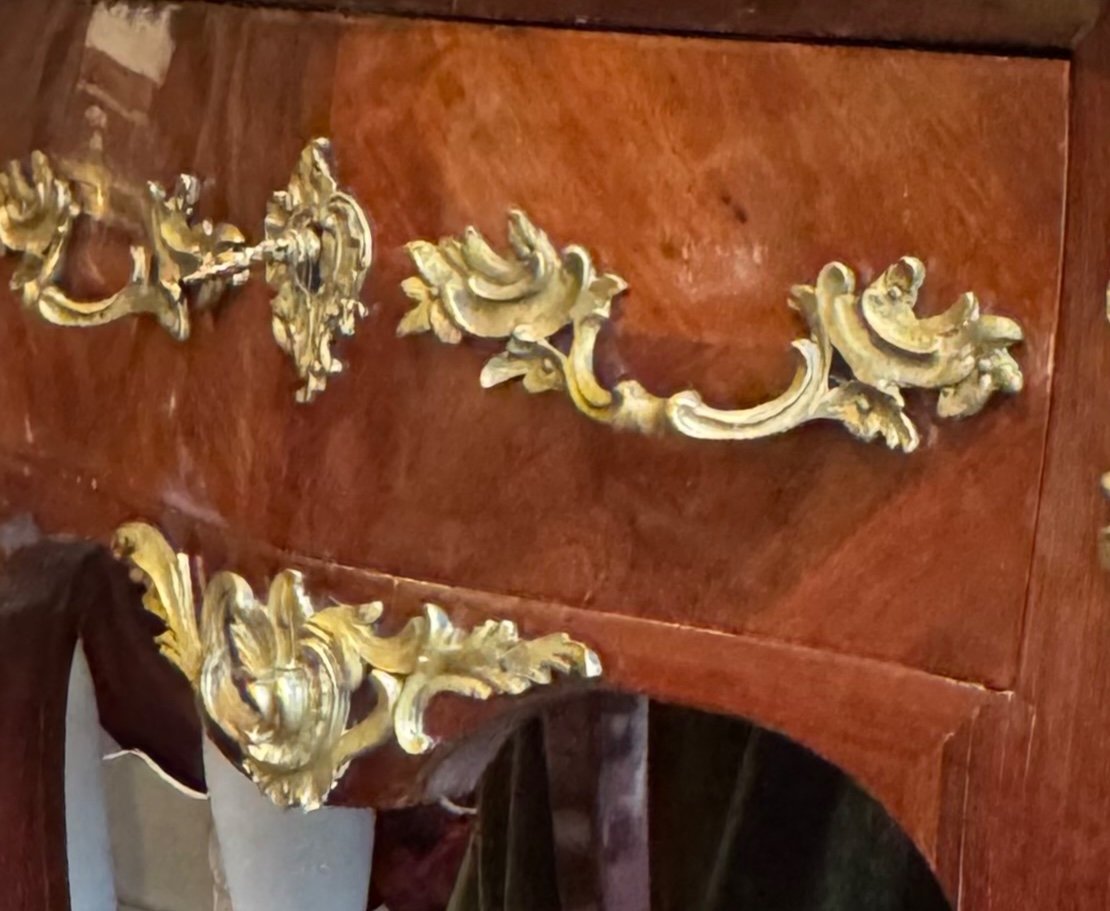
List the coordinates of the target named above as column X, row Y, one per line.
column 316, row 250
column 529, row 296
column 278, row 676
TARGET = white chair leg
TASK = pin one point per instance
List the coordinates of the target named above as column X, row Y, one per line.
column 286, row 860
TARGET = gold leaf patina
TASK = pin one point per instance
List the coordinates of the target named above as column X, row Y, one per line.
column 530, row 295
column 277, row 677
column 323, row 250
column 317, row 250
column 37, row 213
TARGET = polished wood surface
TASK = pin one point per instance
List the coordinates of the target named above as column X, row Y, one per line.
column 979, row 23
column 713, row 177
column 145, row 704
column 1040, row 760
column 672, row 161
column 901, row 733
column 38, row 632
column 930, row 623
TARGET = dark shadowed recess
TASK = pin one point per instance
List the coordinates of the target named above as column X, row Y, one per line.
column 728, row 817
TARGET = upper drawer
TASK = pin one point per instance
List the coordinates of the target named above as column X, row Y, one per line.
column 713, row 176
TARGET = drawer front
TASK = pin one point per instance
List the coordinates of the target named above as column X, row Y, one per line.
column 713, row 176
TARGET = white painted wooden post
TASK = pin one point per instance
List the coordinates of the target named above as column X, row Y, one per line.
column 286, row 860
column 88, row 847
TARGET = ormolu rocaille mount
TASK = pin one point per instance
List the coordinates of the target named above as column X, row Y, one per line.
column 316, row 250
column 277, row 676
column 464, row 288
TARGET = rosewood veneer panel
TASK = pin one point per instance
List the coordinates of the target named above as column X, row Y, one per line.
column 1042, row 767
column 712, row 175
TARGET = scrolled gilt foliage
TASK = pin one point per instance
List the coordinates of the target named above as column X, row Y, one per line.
column 37, row 213
column 317, row 250
column 277, row 676
column 532, row 293
column 324, row 251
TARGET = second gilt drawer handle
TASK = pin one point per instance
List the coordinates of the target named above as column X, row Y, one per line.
column 463, row 287
column 317, row 250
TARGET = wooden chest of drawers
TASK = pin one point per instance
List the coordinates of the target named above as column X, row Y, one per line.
column 934, row 622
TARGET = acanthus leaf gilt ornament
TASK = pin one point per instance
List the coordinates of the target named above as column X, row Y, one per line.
column 277, row 677
column 465, row 288
column 317, row 250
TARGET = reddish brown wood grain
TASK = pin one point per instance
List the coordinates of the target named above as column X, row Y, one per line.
column 39, row 72
column 816, row 585
column 803, row 143
column 898, row 732
column 713, row 176
column 142, row 700
column 38, row 631
column 895, row 731
column 1040, row 763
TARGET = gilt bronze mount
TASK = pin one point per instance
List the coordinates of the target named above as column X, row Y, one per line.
column 534, row 292
column 316, row 250
column 277, row 677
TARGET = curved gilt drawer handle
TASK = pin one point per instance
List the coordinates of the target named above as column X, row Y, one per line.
column 277, row 677
column 464, row 287
column 317, row 250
